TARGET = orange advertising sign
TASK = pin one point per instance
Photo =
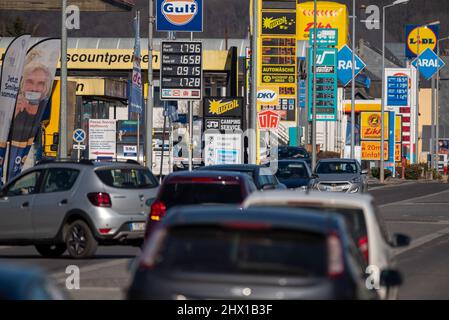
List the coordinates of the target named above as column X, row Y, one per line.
column 398, row 152
column 371, row 150
column 371, row 126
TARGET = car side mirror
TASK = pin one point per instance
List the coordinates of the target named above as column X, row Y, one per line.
column 365, row 171
column 400, row 240
column 149, row 202
column 390, row 278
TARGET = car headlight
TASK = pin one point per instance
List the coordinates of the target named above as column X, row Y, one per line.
column 354, row 190
column 356, row 180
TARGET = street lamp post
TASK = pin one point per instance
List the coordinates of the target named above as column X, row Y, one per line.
column 314, row 151
column 353, row 84
column 437, row 107
column 382, row 113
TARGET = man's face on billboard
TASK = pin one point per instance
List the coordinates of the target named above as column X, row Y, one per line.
column 35, row 86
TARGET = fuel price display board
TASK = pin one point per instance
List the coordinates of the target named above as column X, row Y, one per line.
column 181, row 70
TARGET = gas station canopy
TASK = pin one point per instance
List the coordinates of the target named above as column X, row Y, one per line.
column 54, row 5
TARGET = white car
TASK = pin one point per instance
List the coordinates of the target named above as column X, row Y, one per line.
column 362, row 219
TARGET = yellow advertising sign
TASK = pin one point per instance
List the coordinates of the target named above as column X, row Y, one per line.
column 329, row 15
column 427, row 39
column 371, row 150
column 371, row 126
column 89, row 86
column 279, row 98
column 398, row 129
column 397, row 152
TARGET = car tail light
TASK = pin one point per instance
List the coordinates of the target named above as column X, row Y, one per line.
column 335, row 256
column 363, row 246
column 158, row 209
column 100, row 199
column 151, row 248
column 104, row 231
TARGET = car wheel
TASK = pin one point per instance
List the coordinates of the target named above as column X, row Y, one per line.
column 51, row 250
column 80, row 241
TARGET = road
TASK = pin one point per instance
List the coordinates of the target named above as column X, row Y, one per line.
column 417, row 209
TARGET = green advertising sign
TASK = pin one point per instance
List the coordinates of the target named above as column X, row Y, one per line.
column 326, row 84
column 325, row 37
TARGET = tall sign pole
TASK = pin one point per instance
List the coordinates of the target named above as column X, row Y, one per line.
column 353, row 84
column 314, row 151
column 150, row 101
column 252, row 139
column 63, row 93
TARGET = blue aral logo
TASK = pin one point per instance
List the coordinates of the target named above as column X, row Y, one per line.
column 344, row 68
column 428, row 63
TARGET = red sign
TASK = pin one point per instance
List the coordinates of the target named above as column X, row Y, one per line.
column 269, row 119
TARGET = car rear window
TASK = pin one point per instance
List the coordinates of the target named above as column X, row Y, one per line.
column 210, row 249
column 127, row 178
column 201, row 193
column 292, row 171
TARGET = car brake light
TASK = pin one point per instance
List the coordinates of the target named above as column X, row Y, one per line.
column 335, row 256
column 158, row 209
column 363, row 246
column 104, row 231
column 151, row 248
column 100, row 199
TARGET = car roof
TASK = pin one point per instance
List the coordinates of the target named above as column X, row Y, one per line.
column 290, row 160
column 337, row 160
column 305, row 220
column 206, row 173
column 325, row 198
column 238, row 167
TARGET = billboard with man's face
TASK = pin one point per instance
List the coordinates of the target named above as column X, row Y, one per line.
column 34, row 94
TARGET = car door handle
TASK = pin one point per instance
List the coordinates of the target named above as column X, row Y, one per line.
column 62, row 202
column 25, row 205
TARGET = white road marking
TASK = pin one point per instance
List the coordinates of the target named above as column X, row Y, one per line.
column 411, row 200
column 62, row 276
column 391, row 186
column 423, row 240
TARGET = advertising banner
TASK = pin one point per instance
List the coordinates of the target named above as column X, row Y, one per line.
column 102, row 139
column 330, row 15
column 11, row 73
column 281, row 99
column 223, row 113
column 278, row 22
column 372, row 126
column 371, row 150
column 34, row 94
column 277, row 60
column 136, row 97
column 223, row 148
column 179, row 15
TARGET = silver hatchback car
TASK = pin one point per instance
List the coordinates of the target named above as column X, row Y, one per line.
column 76, row 206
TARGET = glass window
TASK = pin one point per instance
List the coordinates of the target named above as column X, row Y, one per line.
column 127, row 178
column 25, row 185
column 233, row 251
column 292, row 171
column 201, row 193
column 337, row 167
column 59, row 179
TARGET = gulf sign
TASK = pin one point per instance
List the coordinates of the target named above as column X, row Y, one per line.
column 422, row 37
column 179, row 15
column 330, row 15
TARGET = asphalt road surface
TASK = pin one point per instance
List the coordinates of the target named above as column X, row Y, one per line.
column 417, row 209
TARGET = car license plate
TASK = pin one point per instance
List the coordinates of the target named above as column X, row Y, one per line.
column 137, row 226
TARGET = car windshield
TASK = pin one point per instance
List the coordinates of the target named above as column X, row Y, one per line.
column 127, row 178
column 292, row 153
column 336, row 167
column 291, row 171
column 201, row 193
column 210, row 249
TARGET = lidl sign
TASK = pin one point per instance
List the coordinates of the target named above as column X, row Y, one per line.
column 179, row 15
column 420, row 37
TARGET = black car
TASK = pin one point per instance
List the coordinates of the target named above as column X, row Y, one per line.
column 293, row 174
column 289, row 152
column 258, row 253
column 262, row 176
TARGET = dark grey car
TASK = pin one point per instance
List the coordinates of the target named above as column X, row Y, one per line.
column 261, row 253
column 59, row 206
column 340, row 175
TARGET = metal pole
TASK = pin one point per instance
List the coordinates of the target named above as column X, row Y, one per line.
column 353, row 84
column 63, row 93
column 432, row 150
column 314, row 151
column 191, row 127
column 163, row 144
column 437, row 112
column 149, row 111
column 138, row 114
column 382, row 112
column 252, row 139
column 417, row 105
